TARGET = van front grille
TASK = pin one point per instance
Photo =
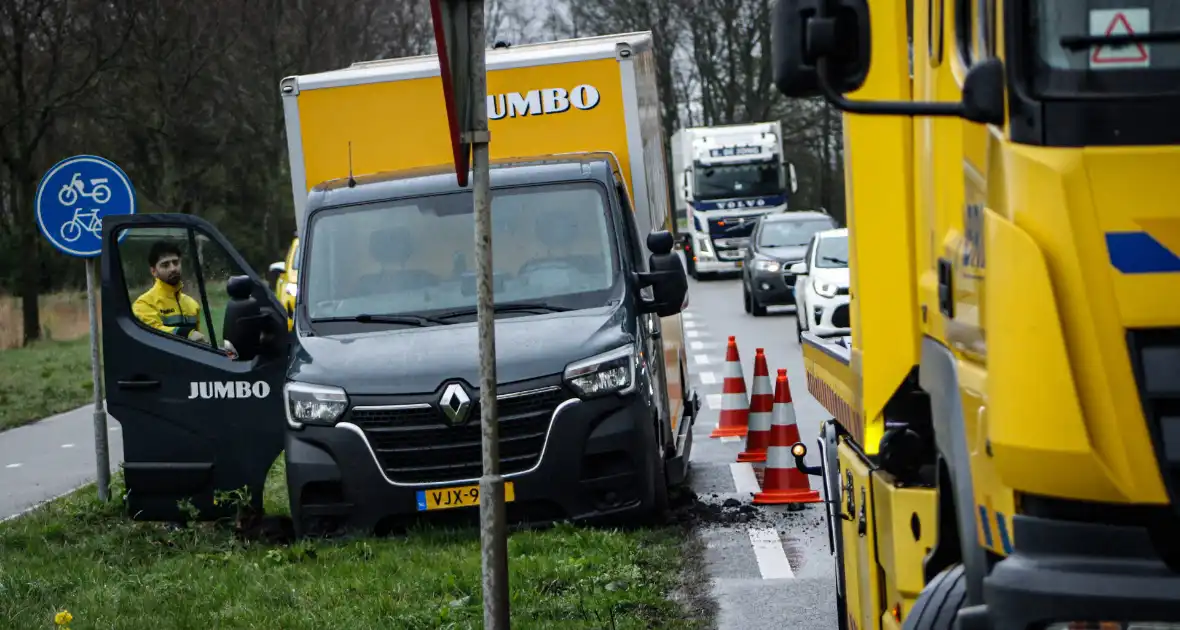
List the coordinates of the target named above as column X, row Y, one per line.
column 417, row 445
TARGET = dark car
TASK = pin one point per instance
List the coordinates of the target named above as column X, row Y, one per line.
column 779, row 241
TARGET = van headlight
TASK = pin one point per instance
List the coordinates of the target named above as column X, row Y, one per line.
column 321, row 405
column 611, row 372
column 825, row 289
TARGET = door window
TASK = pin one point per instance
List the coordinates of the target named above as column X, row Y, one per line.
column 177, row 282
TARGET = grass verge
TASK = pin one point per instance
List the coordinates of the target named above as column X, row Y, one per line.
column 43, row 379
column 109, row 572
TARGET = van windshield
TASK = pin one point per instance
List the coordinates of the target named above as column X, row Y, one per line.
column 551, row 245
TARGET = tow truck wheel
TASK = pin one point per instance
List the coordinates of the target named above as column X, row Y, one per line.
column 939, row 602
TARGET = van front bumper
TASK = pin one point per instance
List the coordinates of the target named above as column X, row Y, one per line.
column 1065, row 571
column 595, row 463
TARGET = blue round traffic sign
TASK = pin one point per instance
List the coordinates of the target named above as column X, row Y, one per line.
column 73, row 198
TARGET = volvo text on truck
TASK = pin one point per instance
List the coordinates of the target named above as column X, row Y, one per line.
column 1005, row 451
column 725, row 178
column 373, row 395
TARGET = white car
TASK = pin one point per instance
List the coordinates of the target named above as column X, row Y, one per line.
column 821, row 286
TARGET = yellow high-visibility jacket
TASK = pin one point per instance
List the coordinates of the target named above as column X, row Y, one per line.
column 168, row 309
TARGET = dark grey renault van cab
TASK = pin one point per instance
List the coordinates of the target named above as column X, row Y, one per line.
column 374, row 394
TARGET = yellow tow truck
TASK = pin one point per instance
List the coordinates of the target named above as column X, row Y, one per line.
column 284, row 274
column 1005, row 447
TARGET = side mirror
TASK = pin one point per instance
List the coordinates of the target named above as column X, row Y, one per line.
column 239, row 287
column 794, row 178
column 275, row 270
column 660, row 242
column 822, row 47
column 668, row 282
column 798, row 269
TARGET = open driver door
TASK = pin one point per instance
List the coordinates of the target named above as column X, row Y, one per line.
column 199, row 414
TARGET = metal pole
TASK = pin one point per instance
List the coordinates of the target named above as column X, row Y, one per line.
column 101, row 451
column 493, row 531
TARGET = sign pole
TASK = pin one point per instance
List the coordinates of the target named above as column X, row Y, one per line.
column 493, row 529
column 73, row 197
column 101, row 448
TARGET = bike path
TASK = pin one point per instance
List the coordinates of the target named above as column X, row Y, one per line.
column 50, row 458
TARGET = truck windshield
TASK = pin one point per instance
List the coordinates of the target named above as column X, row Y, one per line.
column 552, row 245
column 1079, row 51
column 730, row 181
column 832, row 252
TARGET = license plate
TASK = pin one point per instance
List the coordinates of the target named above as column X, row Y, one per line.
column 457, row 497
column 739, row 264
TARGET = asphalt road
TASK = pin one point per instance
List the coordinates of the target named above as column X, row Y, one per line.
column 51, row 458
column 771, row 571
column 774, row 571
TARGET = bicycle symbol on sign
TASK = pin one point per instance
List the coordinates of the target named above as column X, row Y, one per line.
column 84, row 220
column 71, row 192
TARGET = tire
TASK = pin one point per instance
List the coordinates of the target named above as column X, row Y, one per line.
column 746, row 296
column 798, row 330
column 656, row 510
column 755, row 308
column 939, row 602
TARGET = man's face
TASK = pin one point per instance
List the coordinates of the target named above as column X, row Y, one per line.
column 167, row 269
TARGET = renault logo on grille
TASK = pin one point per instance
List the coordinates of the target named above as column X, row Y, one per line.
column 455, row 404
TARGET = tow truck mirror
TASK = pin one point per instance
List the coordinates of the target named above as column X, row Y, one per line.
column 823, row 47
column 275, row 270
column 794, row 52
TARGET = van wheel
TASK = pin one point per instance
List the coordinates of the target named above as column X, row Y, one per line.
column 657, row 508
column 939, row 602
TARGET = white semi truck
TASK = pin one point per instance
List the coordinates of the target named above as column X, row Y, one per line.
column 725, row 178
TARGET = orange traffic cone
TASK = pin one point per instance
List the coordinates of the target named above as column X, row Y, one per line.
column 761, row 405
column 735, row 405
column 784, row 483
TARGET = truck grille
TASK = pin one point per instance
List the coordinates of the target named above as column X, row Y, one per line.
column 840, row 316
column 1155, row 357
column 416, row 445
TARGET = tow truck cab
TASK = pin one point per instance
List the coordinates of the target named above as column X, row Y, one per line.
column 373, row 394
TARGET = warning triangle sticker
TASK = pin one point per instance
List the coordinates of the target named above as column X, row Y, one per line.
column 1127, row 53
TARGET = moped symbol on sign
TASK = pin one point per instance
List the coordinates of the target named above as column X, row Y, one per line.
column 74, row 196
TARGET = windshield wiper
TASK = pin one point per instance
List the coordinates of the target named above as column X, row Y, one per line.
column 366, row 318
column 838, row 261
column 1076, row 42
column 505, row 308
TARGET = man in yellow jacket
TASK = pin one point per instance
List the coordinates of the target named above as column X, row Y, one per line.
column 164, row 306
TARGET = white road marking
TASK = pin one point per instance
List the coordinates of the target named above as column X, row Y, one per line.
column 688, row 315
column 67, row 446
column 708, row 378
column 713, row 400
column 701, row 359
column 689, row 324
column 744, row 480
column 768, row 550
column 731, row 438
column 696, row 345
column 692, row 334
column 114, row 428
column 16, row 465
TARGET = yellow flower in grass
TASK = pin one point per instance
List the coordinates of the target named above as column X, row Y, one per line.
column 63, row 618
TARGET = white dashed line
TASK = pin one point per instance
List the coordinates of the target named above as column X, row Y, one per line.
column 730, row 438
column 16, row 465
column 713, row 400
column 692, row 334
column 708, row 378
column 688, row 315
column 744, row 481
column 701, row 359
column 768, row 550
column 67, row 446
column 688, row 324
column 696, row 345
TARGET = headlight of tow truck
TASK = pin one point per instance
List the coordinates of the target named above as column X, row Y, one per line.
column 824, row 289
column 611, row 372
column 320, row 405
column 767, row 265
column 1114, row 625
